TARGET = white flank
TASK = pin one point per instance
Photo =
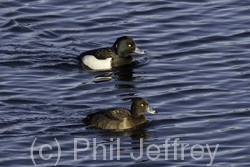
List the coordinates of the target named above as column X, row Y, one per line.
column 95, row 63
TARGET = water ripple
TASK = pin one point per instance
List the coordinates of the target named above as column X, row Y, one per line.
column 195, row 74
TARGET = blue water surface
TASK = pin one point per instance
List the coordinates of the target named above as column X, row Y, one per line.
column 196, row 74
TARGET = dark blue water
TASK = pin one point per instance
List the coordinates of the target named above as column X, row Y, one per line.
column 196, row 74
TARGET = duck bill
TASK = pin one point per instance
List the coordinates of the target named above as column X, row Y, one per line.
column 139, row 51
column 151, row 111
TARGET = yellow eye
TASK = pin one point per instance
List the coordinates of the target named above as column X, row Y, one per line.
column 142, row 104
column 129, row 45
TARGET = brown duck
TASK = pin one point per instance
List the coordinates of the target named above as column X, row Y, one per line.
column 121, row 118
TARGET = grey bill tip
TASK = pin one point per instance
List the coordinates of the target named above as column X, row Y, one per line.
column 139, row 51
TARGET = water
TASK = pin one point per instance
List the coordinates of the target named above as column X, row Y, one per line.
column 196, row 75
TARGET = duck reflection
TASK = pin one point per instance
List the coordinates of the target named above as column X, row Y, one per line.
column 105, row 77
column 135, row 134
column 125, row 74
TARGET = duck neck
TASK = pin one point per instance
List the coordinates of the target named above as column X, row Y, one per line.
column 134, row 113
